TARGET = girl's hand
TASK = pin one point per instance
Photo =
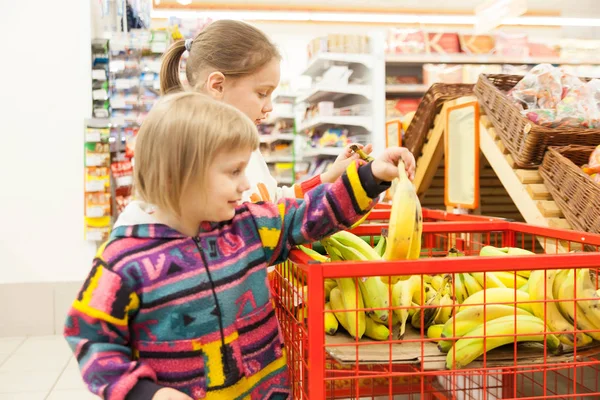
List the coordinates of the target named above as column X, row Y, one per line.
column 170, row 394
column 385, row 168
column 342, row 161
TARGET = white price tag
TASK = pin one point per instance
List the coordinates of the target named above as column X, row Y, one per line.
column 94, row 186
column 95, row 212
column 117, row 65
column 126, row 180
column 93, row 160
column 94, row 235
column 100, row 94
column 157, row 84
column 99, row 74
column 92, row 137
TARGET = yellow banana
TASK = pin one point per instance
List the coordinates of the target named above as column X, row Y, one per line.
column 402, row 296
column 587, row 290
column 487, row 280
column 499, row 296
column 350, row 240
column 331, row 322
column 380, row 247
column 563, row 289
column 471, row 284
column 329, row 284
column 428, row 314
column 348, row 319
column 458, row 288
column 470, row 318
column 435, row 331
column 446, row 309
column 510, row 279
column 491, row 251
column 406, row 224
column 498, row 332
column 540, row 289
column 436, row 282
column 376, row 331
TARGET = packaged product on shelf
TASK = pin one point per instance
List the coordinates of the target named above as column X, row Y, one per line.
column 435, row 73
column 122, row 173
column 442, row 43
column 332, row 137
column 477, row 44
column 578, row 49
column 97, row 179
column 399, row 108
column 97, row 204
column 512, row 44
column 402, row 80
column 97, row 155
column 538, row 48
column 406, row 41
column 97, row 229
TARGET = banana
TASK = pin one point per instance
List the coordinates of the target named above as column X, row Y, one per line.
column 510, row 279
column 458, row 288
column 331, row 322
column 470, row 318
column 487, row 280
column 374, row 291
column 428, row 313
column 435, row 332
column 585, row 289
column 499, row 332
column 380, row 246
column 329, row 284
column 352, row 299
column 348, row 319
column 402, row 296
column 350, row 240
column 515, row 251
column 376, row 331
column 491, row 251
column 314, row 255
column 525, row 287
column 436, row 282
column 446, row 309
column 563, row 289
column 497, row 296
column 406, row 224
column 540, row 289
column 471, row 284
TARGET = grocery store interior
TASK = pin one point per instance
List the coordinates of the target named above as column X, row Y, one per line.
column 498, row 101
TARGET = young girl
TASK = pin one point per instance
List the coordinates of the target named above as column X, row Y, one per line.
column 178, row 307
column 236, row 63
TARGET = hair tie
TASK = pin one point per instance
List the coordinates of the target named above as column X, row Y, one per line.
column 188, row 44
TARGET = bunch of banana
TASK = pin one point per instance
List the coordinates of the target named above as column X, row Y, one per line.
column 541, row 283
column 498, row 332
column 406, row 224
column 491, row 251
column 437, row 309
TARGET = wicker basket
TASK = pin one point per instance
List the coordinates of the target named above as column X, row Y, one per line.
column 430, row 106
column 575, row 193
column 526, row 141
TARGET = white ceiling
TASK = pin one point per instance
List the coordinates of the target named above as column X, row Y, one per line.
column 565, row 7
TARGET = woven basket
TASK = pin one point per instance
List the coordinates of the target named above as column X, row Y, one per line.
column 430, row 106
column 527, row 142
column 575, row 193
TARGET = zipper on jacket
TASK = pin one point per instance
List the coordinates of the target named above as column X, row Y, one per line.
column 218, row 308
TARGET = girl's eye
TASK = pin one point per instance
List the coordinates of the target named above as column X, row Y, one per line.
column 262, row 95
column 236, row 172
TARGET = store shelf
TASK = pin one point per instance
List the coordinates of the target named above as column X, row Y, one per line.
column 272, row 119
column 334, row 92
column 284, row 97
column 406, row 89
column 284, row 181
column 324, row 151
column 418, row 59
column 322, row 61
column 275, row 137
column 279, row 159
column 350, row 120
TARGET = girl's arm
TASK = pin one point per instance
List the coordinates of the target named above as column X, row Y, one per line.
column 325, row 210
column 97, row 330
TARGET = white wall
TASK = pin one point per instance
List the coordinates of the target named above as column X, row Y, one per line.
column 44, row 97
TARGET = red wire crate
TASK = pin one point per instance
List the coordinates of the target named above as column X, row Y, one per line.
column 341, row 367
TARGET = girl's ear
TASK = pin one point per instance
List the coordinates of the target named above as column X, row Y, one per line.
column 215, row 85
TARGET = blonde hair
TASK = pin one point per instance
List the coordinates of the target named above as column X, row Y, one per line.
column 233, row 48
column 178, row 141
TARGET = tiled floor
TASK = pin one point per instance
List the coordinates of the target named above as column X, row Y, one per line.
column 39, row 368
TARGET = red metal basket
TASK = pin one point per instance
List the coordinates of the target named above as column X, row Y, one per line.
column 328, row 367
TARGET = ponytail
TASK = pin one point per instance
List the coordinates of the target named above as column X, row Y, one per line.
column 169, row 69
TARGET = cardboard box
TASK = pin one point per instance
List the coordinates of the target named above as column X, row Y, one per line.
column 442, row 43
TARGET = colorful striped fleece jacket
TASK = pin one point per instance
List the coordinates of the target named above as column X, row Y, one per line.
column 160, row 309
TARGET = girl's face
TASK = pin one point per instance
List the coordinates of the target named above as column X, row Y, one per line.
column 251, row 94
